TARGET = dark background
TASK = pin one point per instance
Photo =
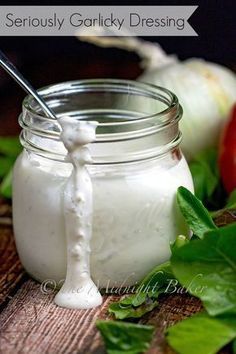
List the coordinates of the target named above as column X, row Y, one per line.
column 46, row 60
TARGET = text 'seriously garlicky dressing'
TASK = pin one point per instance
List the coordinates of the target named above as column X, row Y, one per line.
column 78, row 290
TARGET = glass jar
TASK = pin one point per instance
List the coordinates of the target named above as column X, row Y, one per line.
column 137, row 168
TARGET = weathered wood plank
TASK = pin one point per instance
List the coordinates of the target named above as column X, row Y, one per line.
column 11, row 271
column 31, row 323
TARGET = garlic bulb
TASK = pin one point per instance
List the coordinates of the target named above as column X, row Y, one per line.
column 205, row 90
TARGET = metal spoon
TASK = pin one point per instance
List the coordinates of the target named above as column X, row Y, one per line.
column 12, row 70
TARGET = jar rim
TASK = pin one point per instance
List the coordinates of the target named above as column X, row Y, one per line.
column 121, row 108
column 154, row 91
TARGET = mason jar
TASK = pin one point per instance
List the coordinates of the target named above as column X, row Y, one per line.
column 136, row 170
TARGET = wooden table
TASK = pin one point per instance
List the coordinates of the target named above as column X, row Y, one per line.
column 31, row 323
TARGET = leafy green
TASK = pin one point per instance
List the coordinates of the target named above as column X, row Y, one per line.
column 180, row 241
column 6, row 185
column 5, row 165
column 126, row 308
column 9, row 149
column 156, row 280
column 234, row 346
column 201, row 334
column 196, row 215
column 207, row 269
column 205, row 173
column 10, row 146
column 145, row 298
column 123, row 337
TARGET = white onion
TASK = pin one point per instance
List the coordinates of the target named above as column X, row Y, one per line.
column 205, row 90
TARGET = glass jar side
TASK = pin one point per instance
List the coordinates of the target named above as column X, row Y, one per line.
column 137, row 169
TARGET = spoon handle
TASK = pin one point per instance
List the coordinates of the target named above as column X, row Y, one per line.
column 16, row 75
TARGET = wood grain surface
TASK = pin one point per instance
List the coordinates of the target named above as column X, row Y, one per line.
column 31, row 323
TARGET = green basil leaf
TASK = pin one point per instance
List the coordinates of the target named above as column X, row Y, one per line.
column 134, row 300
column 207, row 269
column 195, row 214
column 234, row 346
column 122, row 310
column 205, row 173
column 157, row 279
column 180, row 241
column 201, row 334
column 199, row 181
column 204, row 181
column 6, row 185
column 10, row 146
column 5, row 165
column 123, row 337
column 146, row 294
column 209, row 156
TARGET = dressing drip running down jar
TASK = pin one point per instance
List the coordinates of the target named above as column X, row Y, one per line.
column 135, row 170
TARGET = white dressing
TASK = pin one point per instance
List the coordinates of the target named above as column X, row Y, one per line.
column 78, row 290
column 134, row 218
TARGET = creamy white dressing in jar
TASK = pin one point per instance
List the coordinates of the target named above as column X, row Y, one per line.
column 126, row 214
